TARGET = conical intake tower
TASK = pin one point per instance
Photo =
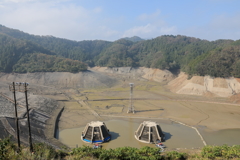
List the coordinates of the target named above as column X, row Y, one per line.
column 149, row 132
column 96, row 132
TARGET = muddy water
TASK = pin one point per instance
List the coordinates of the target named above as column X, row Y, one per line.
column 228, row 136
column 122, row 131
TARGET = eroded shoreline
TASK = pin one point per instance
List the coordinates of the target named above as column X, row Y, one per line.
column 79, row 94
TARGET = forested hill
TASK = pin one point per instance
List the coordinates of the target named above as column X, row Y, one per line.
column 219, row 58
column 17, row 54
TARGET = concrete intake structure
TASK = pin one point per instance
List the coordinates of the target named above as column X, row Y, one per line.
column 149, row 132
column 96, row 132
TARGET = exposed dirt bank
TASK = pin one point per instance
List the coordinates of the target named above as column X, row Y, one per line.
column 199, row 102
column 205, row 86
column 103, row 77
column 140, row 73
column 88, row 79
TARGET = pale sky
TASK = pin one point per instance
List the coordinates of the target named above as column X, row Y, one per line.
column 114, row 19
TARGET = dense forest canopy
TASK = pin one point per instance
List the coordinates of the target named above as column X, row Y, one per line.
column 39, row 62
column 20, row 52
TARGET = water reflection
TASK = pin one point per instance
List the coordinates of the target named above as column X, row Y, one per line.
column 227, row 136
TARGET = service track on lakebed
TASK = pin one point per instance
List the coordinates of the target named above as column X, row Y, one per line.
column 103, row 96
column 152, row 101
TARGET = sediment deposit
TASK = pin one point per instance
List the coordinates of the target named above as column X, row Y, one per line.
column 70, row 100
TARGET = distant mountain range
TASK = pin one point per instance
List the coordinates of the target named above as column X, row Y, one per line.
column 22, row 52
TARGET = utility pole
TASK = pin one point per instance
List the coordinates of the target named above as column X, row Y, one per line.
column 12, row 88
column 24, row 89
column 28, row 119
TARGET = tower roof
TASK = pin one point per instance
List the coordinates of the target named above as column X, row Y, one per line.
column 149, row 132
column 149, row 123
column 96, row 132
column 96, row 123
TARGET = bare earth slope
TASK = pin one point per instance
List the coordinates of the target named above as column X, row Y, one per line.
column 88, row 79
column 99, row 77
column 199, row 85
column 140, row 73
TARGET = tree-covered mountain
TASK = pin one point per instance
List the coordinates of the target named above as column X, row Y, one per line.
column 17, row 55
column 39, row 62
column 220, row 58
column 12, row 50
column 134, row 39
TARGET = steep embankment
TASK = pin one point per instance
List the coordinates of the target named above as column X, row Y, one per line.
column 202, row 85
column 93, row 78
column 140, row 73
column 88, row 79
column 108, row 77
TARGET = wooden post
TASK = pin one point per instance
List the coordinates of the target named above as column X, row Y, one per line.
column 29, row 126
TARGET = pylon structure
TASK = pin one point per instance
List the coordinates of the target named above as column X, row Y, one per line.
column 131, row 107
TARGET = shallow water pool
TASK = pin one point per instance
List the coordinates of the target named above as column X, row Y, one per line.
column 122, row 131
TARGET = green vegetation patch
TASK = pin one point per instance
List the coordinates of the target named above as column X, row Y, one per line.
column 225, row 151
column 38, row 62
column 9, row 150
